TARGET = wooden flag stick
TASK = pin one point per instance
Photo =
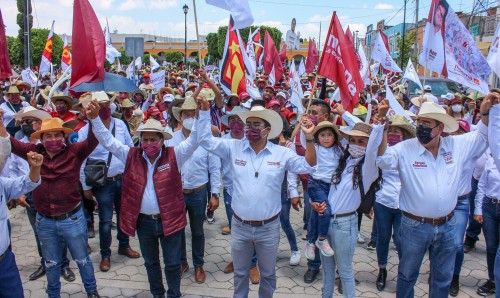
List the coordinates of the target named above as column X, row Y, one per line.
column 197, row 35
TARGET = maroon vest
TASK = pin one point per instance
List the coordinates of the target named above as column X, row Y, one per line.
column 168, row 189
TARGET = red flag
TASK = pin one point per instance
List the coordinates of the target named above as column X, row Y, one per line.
column 338, row 63
column 348, row 35
column 5, row 67
column 89, row 46
column 385, row 40
column 312, row 56
column 272, row 63
column 66, row 55
column 282, row 54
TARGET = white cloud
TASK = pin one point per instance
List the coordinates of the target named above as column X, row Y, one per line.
column 384, row 6
column 150, row 4
column 320, row 18
column 131, row 4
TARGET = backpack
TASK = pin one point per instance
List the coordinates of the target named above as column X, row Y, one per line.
column 368, row 199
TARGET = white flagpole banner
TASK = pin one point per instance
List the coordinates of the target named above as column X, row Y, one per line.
column 29, row 77
column 111, row 52
column 251, row 58
column 302, row 67
column 380, row 54
column 374, row 69
column 240, row 10
column 46, row 61
column 396, row 108
column 493, row 58
column 130, row 71
column 449, row 49
column 154, row 65
column 138, row 62
column 411, row 74
column 158, row 79
column 297, row 93
column 364, row 70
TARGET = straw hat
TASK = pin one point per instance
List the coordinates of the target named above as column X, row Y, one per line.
column 416, row 100
column 22, row 84
column 234, row 112
column 403, row 123
column 360, row 129
column 50, row 125
column 126, row 103
column 270, row 116
column 30, row 111
column 325, row 124
column 189, row 104
column 84, row 100
column 101, row 96
column 436, row 112
column 153, row 125
column 12, row 90
column 57, row 96
column 208, row 93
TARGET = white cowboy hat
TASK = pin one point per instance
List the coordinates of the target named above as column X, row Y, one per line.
column 416, row 100
column 189, row 104
column 153, row 125
column 269, row 115
column 234, row 112
column 101, row 96
column 31, row 112
column 436, row 112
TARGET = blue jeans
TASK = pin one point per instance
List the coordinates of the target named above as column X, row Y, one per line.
column 386, row 219
column 316, row 263
column 318, row 192
column 108, row 196
column 150, row 234
column 246, row 239
column 286, row 205
column 491, row 230
column 10, row 280
column 374, row 234
column 416, row 239
column 462, row 215
column 73, row 231
column 196, row 205
column 474, row 228
column 342, row 235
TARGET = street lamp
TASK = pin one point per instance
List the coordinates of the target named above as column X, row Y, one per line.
column 185, row 8
column 356, row 40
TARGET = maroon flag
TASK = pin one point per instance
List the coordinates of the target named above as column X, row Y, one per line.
column 312, row 56
column 272, row 63
column 348, row 35
column 282, row 54
column 5, row 67
column 338, row 63
column 89, row 45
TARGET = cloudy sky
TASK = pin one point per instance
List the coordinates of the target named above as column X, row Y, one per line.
column 166, row 18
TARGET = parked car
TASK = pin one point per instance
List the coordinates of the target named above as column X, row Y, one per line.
column 440, row 86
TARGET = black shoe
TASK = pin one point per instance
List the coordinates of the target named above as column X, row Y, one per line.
column 341, row 292
column 469, row 244
column 310, row 275
column 454, row 287
column 38, row 273
column 372, row 245
column 90, row 231
column 68, row 275
column 381, row 278
column 93, row 295
column 487, row 288
column 113, row 225
column 159, row 296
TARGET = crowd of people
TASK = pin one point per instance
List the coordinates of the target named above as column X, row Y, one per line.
column 161, row 159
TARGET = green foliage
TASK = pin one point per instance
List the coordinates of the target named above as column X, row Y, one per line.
column 408, row 49
column 14, row 47
column 124, row 60
column 174, row 57
column 38, row 40
column 213, row 47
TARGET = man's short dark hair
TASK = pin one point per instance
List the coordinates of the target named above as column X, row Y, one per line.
column 325, row 107
column 258, row 102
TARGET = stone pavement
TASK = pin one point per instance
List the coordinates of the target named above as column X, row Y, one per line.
column 127, row 277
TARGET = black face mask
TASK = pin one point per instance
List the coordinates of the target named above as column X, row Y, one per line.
column 27, row 129
column 424, row 134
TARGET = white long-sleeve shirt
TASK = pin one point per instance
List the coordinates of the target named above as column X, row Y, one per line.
column 489, row 185
column 5, row 149
column 494, row 133
column 227, row 176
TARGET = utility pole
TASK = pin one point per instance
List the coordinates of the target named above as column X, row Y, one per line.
column 27, row 37
column 416, row 26
column 404, row 35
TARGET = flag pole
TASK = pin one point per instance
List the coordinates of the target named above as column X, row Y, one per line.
column 197, row 35
column 425, row 77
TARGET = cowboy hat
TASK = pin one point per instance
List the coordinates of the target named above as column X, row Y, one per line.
column 126, row 103
column 50, row 125
column 403, row 123
column 328, row 124
column 208, row 93
column 101, row 96
column 12, row 90
column 416, row 101
column 234, row 112
column 71, row 124
column 153, row 125
column 360, row 129
column 436, row 112
column 57, row 96
column 268, row 115
column 22, row 84
column 84, row 100
column 189, row 104
column 30, row 111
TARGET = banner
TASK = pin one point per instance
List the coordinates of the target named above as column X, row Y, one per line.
column 111, row 52
column 29, row 77
column 240, row 11
column 272, row 63
column 251, row 57
column 138, row 62
column 66, row 55
column 411, row 74
column 312, row 57
column 382, row 55
column 158, row 79
column 296, row 89
column 130, row 71
column 449, row 49
column 152, row 62
column 292, row 39
column 364, row 68
column 493, row 58
column 5, row 66
column 395, row 107
column 46, row 61
column 258, row 49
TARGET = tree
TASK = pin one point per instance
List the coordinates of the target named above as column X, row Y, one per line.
column 21, row 22
column 274, row 32
column 124, row 60
column 38, row 40
column 15, row 52
column 213, row 47
column 174, row 57
column 408, row 49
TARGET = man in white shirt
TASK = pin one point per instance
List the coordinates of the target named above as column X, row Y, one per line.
column 430, row 168
column 11, row 106
column 428, row 94
column 258, row 167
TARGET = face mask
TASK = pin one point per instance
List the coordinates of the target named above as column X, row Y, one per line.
column 53, row 146
column 61, row 110
column 151, row 149
column 128, row 113
column 236, row 127
column 456, row 108
column 105, row 113
column 393, row 138
column 357, row 151
column 253, row 135
column 188, row 123
column 330, row 95
column 313, row 119
column 424, row 134
column 15, row 100
column 27, row 129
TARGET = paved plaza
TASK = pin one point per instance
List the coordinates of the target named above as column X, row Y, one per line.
column 127, row 277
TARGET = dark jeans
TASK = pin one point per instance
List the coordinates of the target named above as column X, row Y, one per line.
column 316, row 263
column 474, row 228
column 491, row 229
column 319, row 224
column 386, row 219
column 374, row 234
column 286, row 205
column 108, row 196
column 196, row 204
column 10, row 280
column 150, row 234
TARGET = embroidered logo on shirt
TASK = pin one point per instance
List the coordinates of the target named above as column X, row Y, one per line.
column 164, row 167
column 240, row 162
column 419, row 165
column 448, row 157
column 274, row 163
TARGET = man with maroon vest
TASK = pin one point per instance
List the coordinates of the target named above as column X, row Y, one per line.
column 152, row 198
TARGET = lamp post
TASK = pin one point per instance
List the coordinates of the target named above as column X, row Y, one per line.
column 185, row 8
column 356, row 40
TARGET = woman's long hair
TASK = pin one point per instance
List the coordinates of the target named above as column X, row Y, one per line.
column 356, row 175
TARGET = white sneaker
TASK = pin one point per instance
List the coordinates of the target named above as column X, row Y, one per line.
column 324, row 247
column 361, row 240
column 295, row 258
column 309, row 252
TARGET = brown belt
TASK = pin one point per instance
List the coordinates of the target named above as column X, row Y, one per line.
column 433, row 221
column 190, row 191
column 150, row 216
column 343, row 214
column 256, row 223
column 466, row 196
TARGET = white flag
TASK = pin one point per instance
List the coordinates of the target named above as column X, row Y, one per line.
column 493, row 58
column 29, row 77
column 138, row 62
column 158, row 79
column 380, row 54
column 302, row 68
column 364, row 70
column 374, row 70
column 296, row 87
column 411, row 74
column 118, row 66
column 240, row 11
column 153, row 63
column 251, row 57
column 396, row 108
column 46, row 61
column 111, row 52
column 130, row 71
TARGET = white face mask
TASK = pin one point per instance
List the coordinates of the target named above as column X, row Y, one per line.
column 188, row 123
column 356, row 151
column 456, row 108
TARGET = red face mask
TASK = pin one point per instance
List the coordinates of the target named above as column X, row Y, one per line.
column 236, row 127
column 53, row 146
column 105, row 113
column 151, row 149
